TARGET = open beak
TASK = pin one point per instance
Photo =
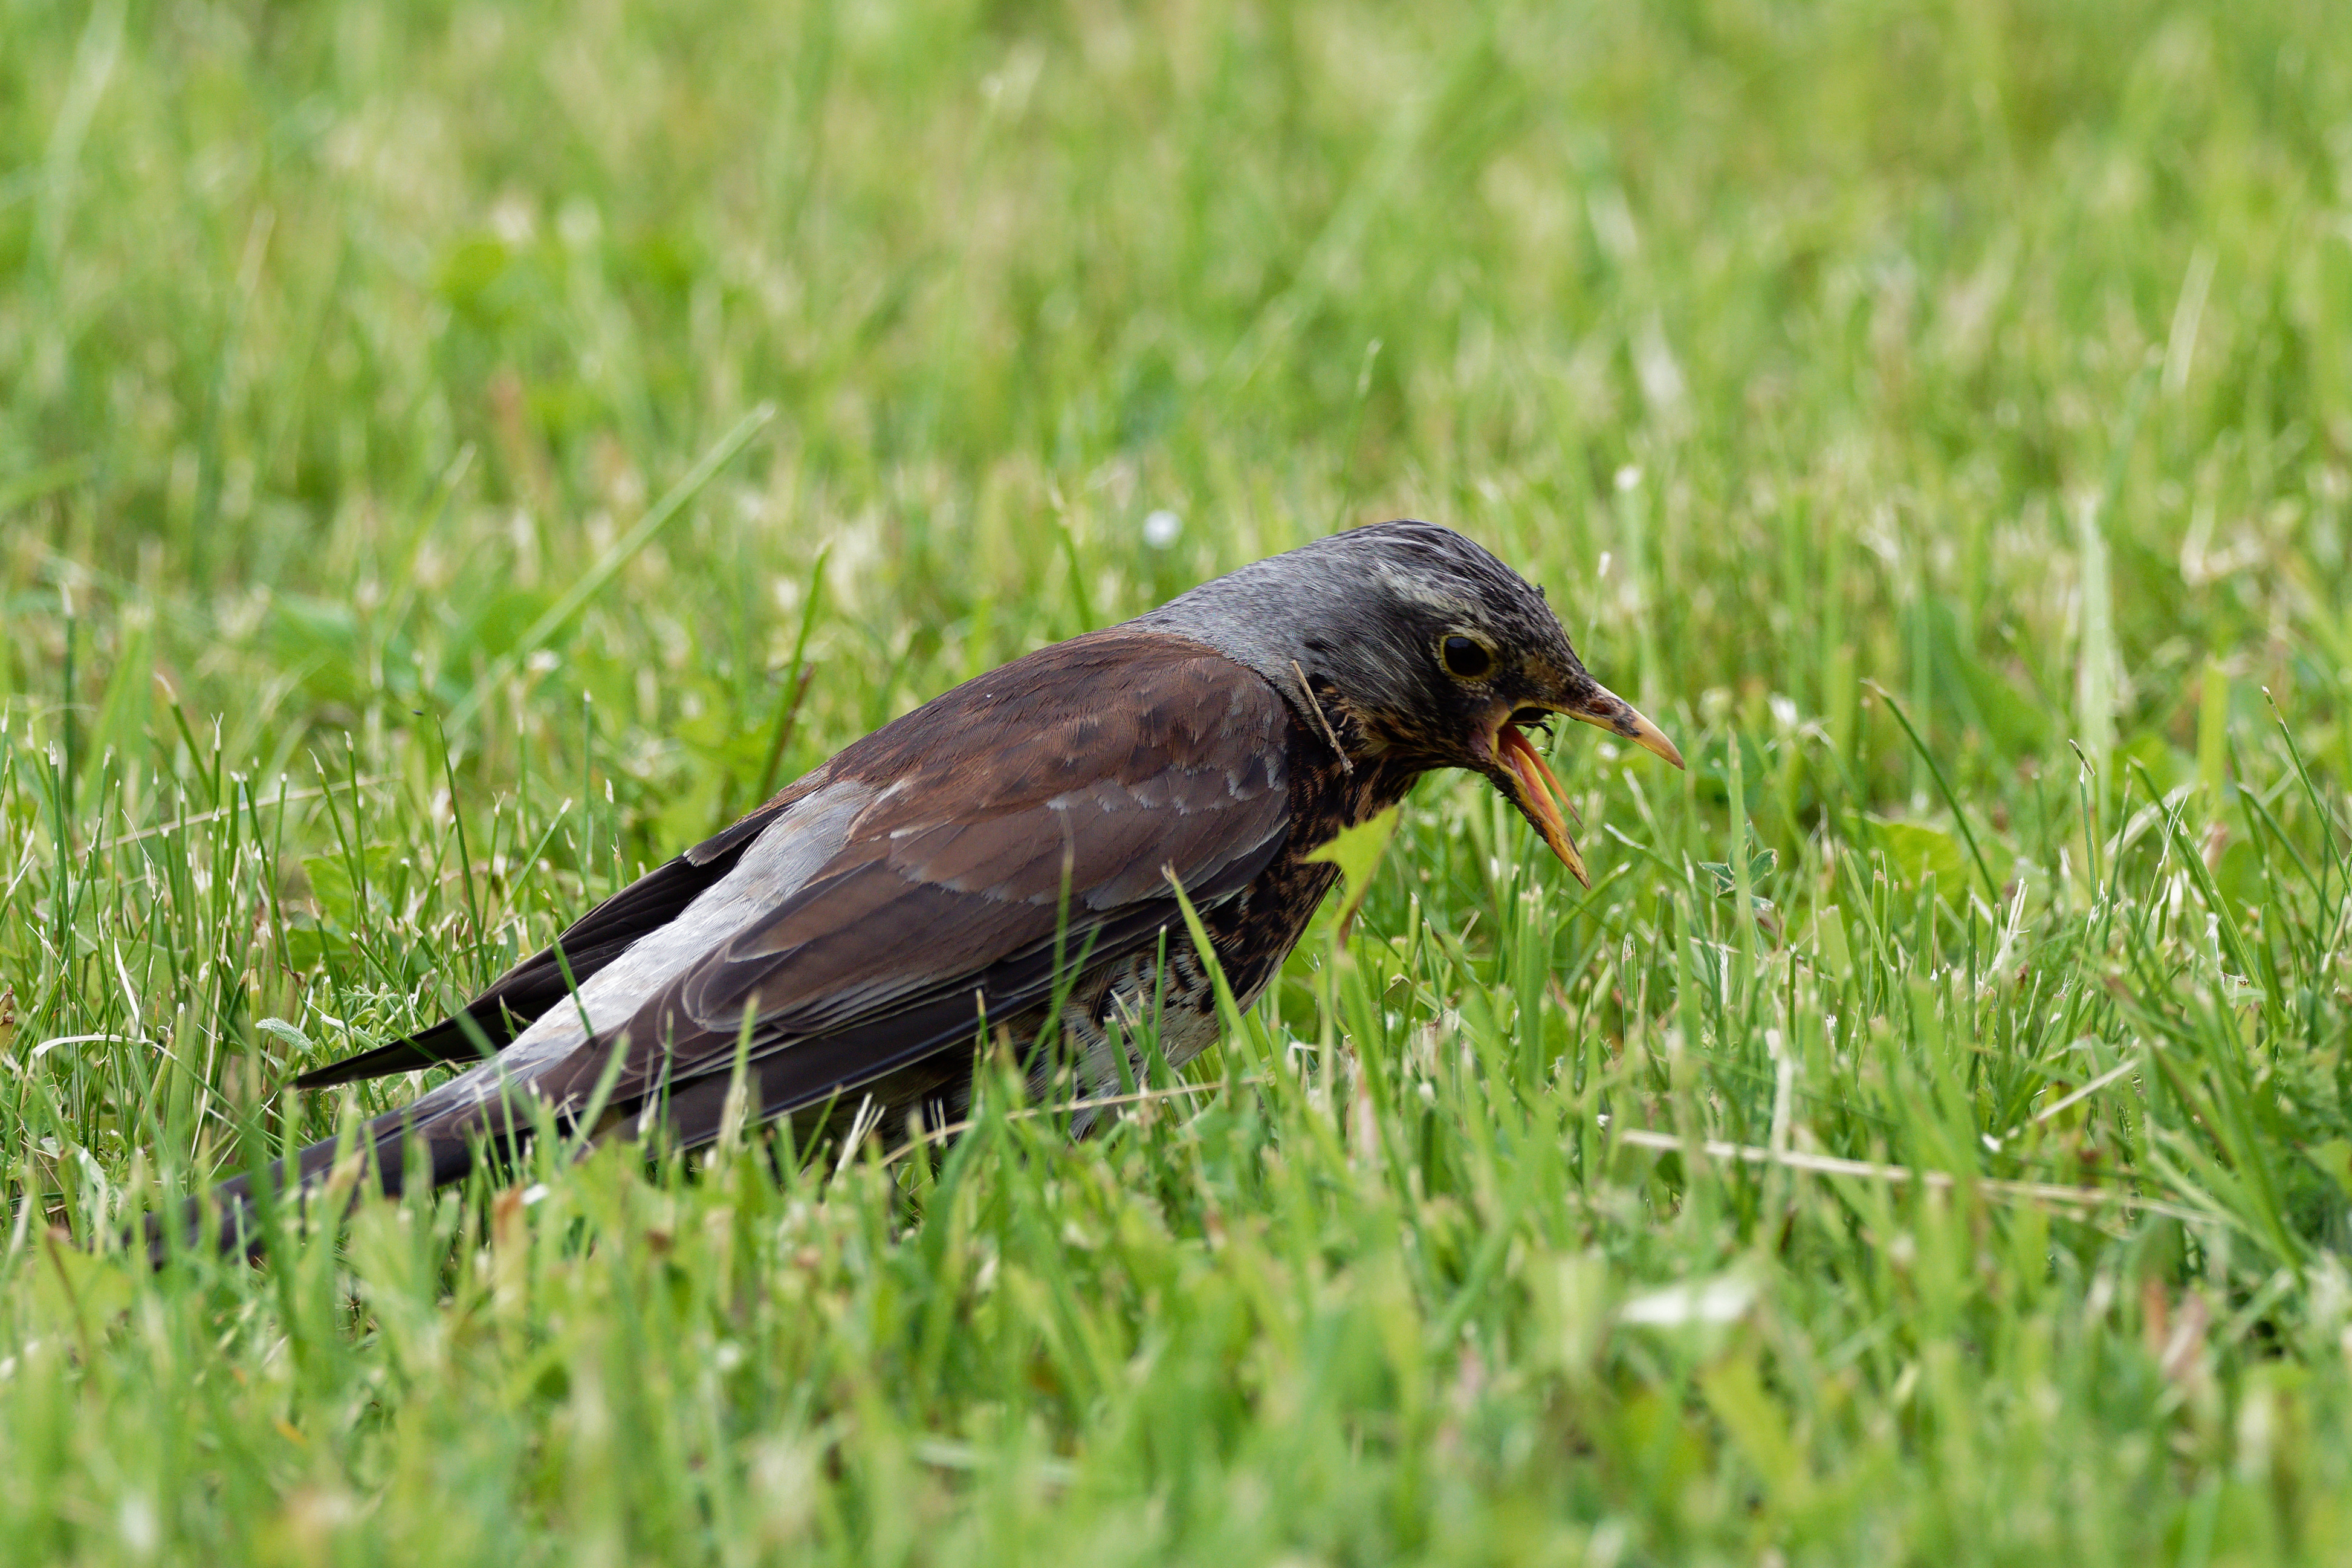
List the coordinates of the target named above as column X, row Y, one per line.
column 1533, row 789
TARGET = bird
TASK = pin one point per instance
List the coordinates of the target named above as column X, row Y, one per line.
column 1003, row 864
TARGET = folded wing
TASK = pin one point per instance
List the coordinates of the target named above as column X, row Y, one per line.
column 930, row 879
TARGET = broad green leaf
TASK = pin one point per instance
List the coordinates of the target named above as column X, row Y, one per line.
column 2334, row 1157
column 1357, row 851
column 331, row 883
column 1914, row 850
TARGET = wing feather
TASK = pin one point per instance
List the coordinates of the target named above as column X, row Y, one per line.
column 1036, row 810
column 532, row 987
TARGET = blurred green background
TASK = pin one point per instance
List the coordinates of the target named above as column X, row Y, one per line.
column 1985, row 362
column 1822, row 323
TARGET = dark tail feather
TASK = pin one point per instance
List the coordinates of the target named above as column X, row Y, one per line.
column 450, row 1041
column 229, row 1216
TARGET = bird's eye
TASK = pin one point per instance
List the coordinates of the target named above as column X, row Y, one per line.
column 1465, row 657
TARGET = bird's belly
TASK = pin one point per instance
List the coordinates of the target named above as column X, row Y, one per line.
column 1122, row 1025
column 1137, row 1020
column 1124, row 1021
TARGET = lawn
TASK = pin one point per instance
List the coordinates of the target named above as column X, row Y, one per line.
column 452, row 456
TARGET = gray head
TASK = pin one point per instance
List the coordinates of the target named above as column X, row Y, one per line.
column 1433, row 652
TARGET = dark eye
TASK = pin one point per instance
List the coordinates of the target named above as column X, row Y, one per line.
column 1465, row 656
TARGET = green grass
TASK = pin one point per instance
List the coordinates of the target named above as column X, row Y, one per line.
column 1844, row 371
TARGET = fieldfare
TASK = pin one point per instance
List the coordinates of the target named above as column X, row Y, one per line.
column 1008, row 843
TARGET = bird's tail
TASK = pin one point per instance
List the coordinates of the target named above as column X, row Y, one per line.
column 234, row 1216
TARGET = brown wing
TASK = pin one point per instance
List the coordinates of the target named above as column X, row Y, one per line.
column 1042, row 803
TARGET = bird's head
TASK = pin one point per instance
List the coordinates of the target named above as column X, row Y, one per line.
column 1422, row 648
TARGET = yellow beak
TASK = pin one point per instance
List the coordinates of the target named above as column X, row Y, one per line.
column 1612, row 712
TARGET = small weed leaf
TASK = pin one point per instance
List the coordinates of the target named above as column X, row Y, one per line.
column 1760, row 864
